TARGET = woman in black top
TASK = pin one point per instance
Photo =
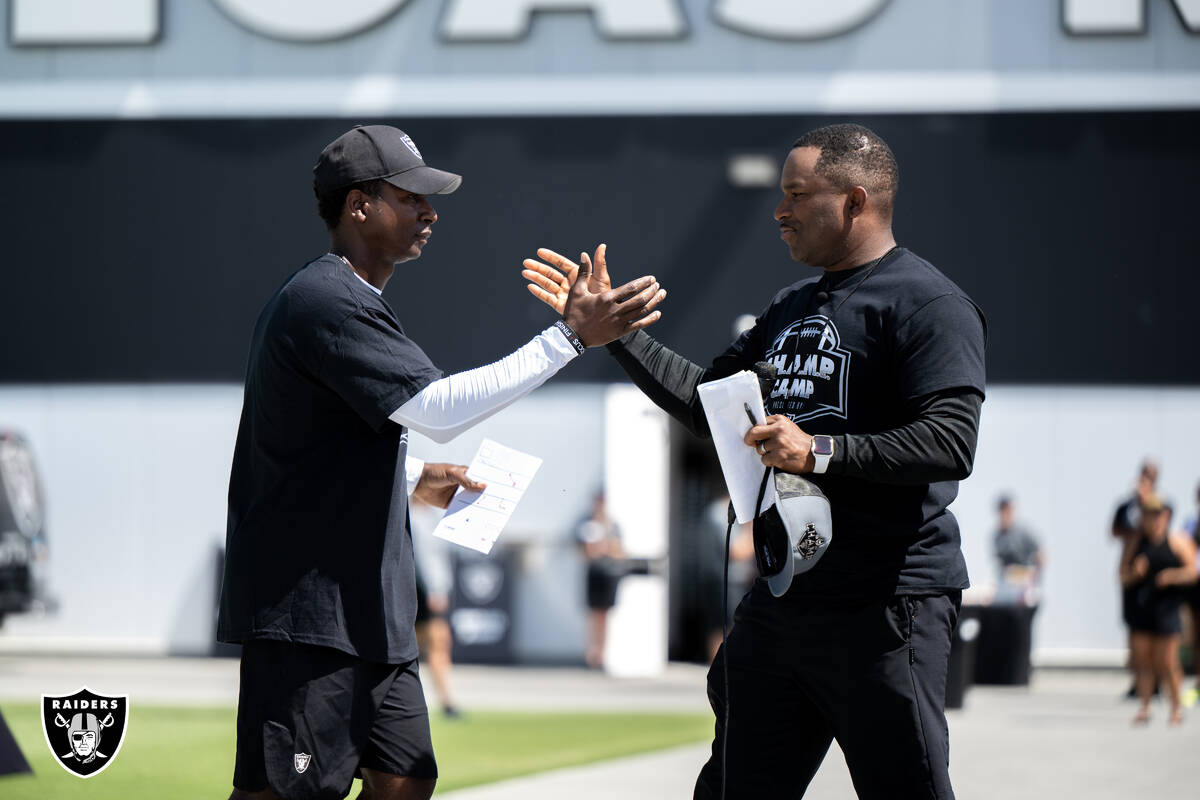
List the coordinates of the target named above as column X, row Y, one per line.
column 1155, row 566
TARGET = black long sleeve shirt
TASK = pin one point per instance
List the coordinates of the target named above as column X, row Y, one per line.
column 937, row 445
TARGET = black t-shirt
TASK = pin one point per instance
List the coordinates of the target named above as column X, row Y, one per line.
column 854, row 352
column 318, row 549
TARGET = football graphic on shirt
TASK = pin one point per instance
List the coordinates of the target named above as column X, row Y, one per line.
column 811, row 370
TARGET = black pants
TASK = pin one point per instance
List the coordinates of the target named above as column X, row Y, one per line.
column 801, row 673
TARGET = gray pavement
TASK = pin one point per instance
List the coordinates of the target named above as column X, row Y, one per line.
column 1067, row 735
column 158, row 681
column 209, row 681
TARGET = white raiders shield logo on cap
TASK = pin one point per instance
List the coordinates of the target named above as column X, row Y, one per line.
column 411, row 145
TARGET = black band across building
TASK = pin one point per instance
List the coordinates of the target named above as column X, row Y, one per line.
column 572, row 337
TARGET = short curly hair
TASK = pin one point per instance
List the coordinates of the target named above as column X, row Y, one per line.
column 330, row 204
column 854, row 155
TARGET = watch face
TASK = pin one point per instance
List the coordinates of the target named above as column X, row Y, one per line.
column 822, row 445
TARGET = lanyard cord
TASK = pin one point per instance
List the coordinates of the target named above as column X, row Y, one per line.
column 725, row 647
column 762, row 490
column 869, row 271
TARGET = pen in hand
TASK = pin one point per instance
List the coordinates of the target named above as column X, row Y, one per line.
column 750, row 414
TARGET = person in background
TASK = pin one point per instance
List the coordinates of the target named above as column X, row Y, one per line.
column 600, row 540
column 1191, row 526
column 1020, row 555
column 435, row 586
column 1155, row 566
column 1125, row 519
column 1124, row 528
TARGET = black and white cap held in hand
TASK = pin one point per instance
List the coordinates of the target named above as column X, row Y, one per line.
column 791, row 536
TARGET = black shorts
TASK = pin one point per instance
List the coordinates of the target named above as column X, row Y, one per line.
column 603, row 577
column 1154, row 610
column 1162, row 620
column 801, row 673
column 309, row 717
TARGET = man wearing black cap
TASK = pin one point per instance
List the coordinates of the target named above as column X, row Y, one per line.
column 876, row 399
column 319, row 584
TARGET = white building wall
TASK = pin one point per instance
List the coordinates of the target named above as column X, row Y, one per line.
column 136, row 477
column 904, row 55
column 1070, row 454
column 135, row 480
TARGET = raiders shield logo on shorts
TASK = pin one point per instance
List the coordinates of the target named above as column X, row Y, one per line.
column 85, row 730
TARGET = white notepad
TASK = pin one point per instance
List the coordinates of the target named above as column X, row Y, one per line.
column 725, row 402
column 475, row 519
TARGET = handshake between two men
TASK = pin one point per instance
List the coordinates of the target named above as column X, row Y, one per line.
column 582, row 293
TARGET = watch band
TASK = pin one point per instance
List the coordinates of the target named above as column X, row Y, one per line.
column 822, row 450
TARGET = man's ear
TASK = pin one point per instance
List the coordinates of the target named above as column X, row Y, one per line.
column 856, row 202
column 357, row 204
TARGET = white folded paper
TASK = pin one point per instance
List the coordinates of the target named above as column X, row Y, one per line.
column 725, row 403
column 475, row 519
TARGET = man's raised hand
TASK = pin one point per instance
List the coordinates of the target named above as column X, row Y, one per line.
column 582, row 294
column 551, row 282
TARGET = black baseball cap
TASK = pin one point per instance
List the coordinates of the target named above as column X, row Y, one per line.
column 371, row 152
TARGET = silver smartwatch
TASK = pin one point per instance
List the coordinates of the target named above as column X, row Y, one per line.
column 822, row 450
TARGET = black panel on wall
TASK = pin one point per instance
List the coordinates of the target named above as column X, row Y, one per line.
column 143, row 250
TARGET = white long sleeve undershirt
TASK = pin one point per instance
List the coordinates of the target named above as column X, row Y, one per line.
column 413, row 467
column 450, row 405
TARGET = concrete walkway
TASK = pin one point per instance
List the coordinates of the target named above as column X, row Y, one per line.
column 1068, row 735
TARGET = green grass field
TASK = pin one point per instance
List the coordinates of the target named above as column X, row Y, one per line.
column 188, row 752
